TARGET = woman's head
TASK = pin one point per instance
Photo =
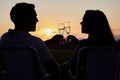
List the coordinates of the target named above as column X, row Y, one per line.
column 94, row 21
column 96, row 25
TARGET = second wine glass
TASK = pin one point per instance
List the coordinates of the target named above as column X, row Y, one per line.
column 67, row 28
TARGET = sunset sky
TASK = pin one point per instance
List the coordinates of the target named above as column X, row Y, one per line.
column 52, row 12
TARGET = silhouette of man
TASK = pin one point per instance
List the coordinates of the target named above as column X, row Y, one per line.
column 24, row 17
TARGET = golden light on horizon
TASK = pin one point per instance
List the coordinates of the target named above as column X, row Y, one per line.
column 48, row 31
column 50, row 13
column 45, row 33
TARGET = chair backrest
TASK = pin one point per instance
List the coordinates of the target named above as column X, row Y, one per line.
column 22, row 63
column 78, row 63
column 102, row 63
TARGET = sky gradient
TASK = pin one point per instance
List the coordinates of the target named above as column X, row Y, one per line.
column 52, row 12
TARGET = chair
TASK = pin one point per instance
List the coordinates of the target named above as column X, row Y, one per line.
column 20, row 63
column 102, row 63
column 77, row 69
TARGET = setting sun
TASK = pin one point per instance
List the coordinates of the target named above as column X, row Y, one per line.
column 45, row 33
column 48, row 31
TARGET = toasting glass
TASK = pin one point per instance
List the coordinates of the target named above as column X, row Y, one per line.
column 67, row 28
column 61, row 28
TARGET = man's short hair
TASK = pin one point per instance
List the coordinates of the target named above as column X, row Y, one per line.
column 20, row 10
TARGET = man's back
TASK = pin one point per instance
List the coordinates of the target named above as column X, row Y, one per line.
column 22, row 38
column 24, row 17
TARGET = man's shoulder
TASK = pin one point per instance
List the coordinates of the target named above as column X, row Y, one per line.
column 36, row 39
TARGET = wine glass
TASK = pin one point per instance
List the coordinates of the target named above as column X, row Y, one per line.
column 61, row 28
column 67, row 27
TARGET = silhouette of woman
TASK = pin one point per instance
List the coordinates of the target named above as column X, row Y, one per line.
column 96, row 25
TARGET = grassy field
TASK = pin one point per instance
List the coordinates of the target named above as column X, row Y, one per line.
column 62, row 56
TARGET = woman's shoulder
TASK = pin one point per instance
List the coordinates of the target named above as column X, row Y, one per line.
column 82, row 43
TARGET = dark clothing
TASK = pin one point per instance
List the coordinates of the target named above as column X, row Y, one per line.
column 82, row 61
column 83, row 56
column 23, row 38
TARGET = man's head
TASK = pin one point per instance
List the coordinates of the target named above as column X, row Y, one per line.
column 24, row 16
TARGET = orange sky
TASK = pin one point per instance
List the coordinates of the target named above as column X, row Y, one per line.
column 52, row 12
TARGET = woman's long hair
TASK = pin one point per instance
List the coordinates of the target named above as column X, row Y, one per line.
column 99, row 29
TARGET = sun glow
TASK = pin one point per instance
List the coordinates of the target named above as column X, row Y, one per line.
column 48, row 31
column 45, row 33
